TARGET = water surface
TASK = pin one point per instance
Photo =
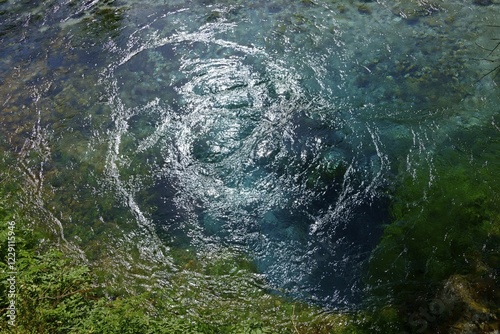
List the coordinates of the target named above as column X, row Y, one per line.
column 272, row 128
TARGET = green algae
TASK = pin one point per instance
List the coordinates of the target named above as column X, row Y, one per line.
column 326, row 173
column 214, row 293
column 364, row 9
column 105, row 214
column 104, row 22
column 218, row 291
column 445, row 223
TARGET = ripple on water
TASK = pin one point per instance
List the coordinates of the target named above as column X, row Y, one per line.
column 272, row 128
column 242, row 153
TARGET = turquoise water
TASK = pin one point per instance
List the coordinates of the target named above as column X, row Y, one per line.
column 273, row 128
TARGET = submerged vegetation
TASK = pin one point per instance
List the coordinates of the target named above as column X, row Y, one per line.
column 439, row 254
column 57, row 292
column 443, row 244
column 434, row 270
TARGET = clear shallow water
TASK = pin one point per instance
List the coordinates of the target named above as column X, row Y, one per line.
column 271, row 128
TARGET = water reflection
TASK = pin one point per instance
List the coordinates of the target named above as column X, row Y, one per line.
column 242, row 152
column 274, row 128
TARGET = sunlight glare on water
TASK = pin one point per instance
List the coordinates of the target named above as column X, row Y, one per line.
column 234, row 116
column 236, row 132
column 273, row 128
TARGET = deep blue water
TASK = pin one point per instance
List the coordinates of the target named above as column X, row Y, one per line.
column 272, row 128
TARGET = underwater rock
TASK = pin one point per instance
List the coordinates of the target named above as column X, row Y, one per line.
column 472, row 310
column 364, row 9
column 412, row 11
column 308, row 2
column 482, row 2
column 214, row 16
column 342, row 8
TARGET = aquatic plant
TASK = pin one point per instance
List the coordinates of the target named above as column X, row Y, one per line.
column 445, row 223
column 212, row 293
